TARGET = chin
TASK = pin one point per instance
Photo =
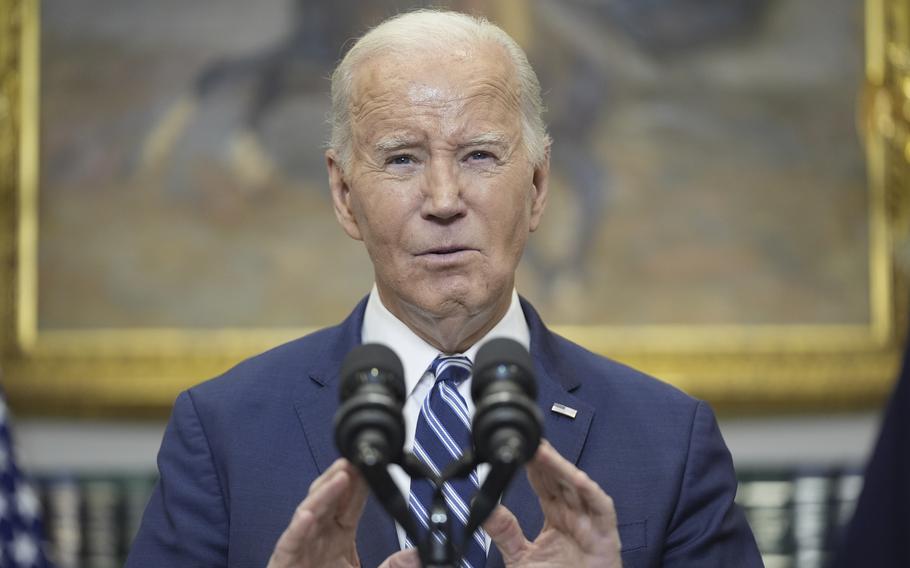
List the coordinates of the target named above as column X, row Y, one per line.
column 462, row 298
column 447, row 303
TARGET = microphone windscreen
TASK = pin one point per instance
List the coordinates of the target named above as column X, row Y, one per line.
column 371, row 362
column 506, row 352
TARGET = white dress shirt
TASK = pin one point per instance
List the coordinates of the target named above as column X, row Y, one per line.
column 381, row 326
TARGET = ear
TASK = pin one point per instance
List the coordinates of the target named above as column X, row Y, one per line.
column 540, row 188
column 341, row 196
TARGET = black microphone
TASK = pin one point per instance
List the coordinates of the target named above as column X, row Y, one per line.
column 507, row 422
column 369, row 425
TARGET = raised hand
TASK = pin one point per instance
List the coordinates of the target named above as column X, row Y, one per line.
column 579, row 528
column 322, row 531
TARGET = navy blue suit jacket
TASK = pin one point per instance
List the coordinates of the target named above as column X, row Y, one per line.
column 878, row 534
column 240, row 452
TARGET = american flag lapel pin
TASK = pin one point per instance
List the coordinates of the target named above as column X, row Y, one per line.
column 564, row 410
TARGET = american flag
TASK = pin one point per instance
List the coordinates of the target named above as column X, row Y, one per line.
column 20, row 509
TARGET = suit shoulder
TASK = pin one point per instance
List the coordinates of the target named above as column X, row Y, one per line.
column 268, row 373
column 600, row 375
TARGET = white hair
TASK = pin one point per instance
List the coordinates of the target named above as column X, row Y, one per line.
column 420, row 31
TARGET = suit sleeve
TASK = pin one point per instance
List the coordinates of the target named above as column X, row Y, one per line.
column 185, row 523
column 708, row 528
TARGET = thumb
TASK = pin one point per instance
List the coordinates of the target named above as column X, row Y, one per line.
column 402, row 559
column 505, row 532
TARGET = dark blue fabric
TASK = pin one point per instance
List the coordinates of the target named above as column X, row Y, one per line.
column 879, row 533
column 241, row 450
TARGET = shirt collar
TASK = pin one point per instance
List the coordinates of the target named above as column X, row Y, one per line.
column 381, row 326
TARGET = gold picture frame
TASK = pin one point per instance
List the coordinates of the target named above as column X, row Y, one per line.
column 138, row 372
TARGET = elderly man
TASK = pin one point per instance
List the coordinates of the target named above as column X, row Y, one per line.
column 439, row 164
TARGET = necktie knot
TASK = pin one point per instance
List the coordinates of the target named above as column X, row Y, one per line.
column 452, row 369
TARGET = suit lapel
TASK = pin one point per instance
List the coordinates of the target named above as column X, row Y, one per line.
column 316, row 400
column 555, row 385
column 316, row 395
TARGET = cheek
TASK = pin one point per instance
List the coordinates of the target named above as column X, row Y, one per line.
column 513, row 215
column 382, row 214
column 508, row 232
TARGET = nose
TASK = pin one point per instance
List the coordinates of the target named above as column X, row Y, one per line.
column 442, row 193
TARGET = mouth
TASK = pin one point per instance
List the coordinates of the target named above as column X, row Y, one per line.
column 447, row 250
column 446, row 255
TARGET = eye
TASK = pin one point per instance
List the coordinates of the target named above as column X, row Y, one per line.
column 479, row 155
column 400, row 160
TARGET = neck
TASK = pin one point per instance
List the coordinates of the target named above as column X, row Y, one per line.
column 456, row 329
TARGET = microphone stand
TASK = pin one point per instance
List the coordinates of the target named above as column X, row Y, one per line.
column 437, row 549
column 383, row 487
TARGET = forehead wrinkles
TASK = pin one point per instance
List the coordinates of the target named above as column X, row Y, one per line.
column 483, row 100
column 397, row 86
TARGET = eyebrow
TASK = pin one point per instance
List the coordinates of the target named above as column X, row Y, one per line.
column 486, row 139
column 394, row 143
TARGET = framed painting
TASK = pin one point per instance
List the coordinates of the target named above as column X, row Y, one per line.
column 728, row 208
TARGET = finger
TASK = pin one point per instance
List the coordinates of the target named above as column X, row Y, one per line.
column 577, row 485
column 506, row 533
column 337, row 465
column 326, row 500
column 597, row 503
column 547, row 485
column 355, row 499
column 402, row 559
column 551, row 476
column 580, row 507
column 318, row 504
column 295, row 535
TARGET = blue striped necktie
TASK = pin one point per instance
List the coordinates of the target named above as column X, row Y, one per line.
column 443, row 431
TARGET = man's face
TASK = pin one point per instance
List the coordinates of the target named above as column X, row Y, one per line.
column 440, row 187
